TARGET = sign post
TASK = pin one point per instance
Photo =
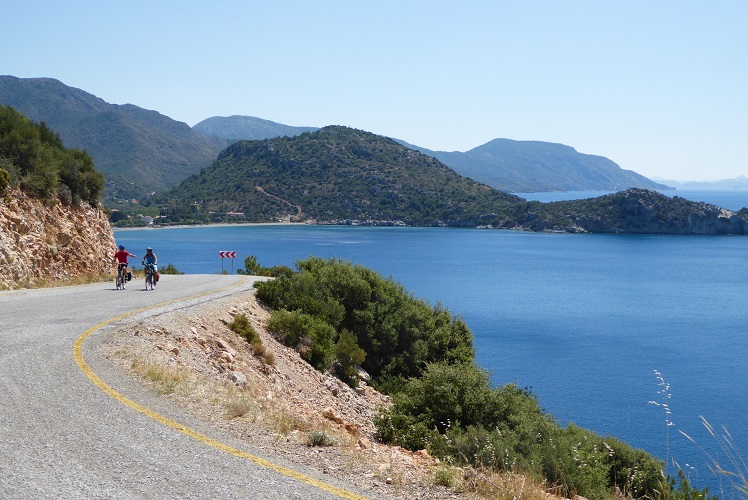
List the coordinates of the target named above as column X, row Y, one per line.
column 227, row 255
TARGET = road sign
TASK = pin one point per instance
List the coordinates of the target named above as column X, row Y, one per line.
column 227, row 255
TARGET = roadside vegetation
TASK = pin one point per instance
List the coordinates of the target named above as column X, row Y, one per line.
column 33, row 158
column 341, row 316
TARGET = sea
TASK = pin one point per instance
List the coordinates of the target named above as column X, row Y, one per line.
column 639, row 337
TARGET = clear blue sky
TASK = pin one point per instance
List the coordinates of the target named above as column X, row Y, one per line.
column 660, row 87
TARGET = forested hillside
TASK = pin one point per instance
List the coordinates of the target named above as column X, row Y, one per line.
column 336, row 175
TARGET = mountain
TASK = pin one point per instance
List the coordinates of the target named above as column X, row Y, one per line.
column 138, row 151
column 531, row 166
column 739, row 183
column 334, row 175
column 339, row 175
column 503, row 164
column 237, row 127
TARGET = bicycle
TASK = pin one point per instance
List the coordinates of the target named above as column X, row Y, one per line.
column 149, row 276
column 121, row 276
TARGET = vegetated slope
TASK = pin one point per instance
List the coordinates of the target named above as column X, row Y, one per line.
column 635, row 211
column 49, row 207
column 138, row 150
column 339, row 174
column 237, row 128
column 33, row 158
column 530, row 166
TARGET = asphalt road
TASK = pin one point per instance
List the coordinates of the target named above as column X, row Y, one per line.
column 62, row 436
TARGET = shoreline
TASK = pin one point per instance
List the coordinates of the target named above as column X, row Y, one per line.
column 217, row 224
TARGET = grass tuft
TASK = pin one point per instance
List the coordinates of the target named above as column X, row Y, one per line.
column 319, row 438
column 166, row 379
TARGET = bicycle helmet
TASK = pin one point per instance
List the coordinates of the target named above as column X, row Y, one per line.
column 122, row 247
column 149, row 249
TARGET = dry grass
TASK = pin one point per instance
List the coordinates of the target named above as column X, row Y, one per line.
column 165, row 379
column 734, row 470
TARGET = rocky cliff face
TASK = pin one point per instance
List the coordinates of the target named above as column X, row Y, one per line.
column 41, row 241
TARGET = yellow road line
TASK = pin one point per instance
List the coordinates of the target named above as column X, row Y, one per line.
column 78, row 355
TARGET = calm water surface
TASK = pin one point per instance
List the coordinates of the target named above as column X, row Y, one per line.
column 582, row 320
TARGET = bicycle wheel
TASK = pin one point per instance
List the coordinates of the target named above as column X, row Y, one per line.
column 149, row 281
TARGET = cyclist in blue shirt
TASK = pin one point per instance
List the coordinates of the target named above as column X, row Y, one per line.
column 151, row 259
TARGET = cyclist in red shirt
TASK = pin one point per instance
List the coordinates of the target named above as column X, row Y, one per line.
column 120, row 257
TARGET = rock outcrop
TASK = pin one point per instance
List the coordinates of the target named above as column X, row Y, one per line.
column 43, row 241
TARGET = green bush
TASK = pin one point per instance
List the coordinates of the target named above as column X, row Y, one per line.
column 319, row 438
column 314, row 339
column 169, row 269
column 35, row 159
column 241, row 325
column 398, row 333
column 4, row 180
column 347, row 355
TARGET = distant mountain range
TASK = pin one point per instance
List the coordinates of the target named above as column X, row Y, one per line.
column 739, row 183
column 141, row 151
column 137, row 150
column 531, row 166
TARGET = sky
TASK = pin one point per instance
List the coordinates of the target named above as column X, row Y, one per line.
column 659, row 87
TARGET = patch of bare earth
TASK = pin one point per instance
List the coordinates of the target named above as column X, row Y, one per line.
column 195, row 360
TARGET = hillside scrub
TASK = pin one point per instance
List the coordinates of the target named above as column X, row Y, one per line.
column 337, row 315
column 35, row 160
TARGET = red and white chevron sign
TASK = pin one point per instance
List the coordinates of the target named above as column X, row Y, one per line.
column 227, row 255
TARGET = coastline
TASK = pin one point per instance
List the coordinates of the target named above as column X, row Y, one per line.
column 217, row 224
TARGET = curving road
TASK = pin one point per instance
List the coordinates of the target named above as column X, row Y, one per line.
column 62, row 436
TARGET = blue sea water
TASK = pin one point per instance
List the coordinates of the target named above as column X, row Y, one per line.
column 581, row 320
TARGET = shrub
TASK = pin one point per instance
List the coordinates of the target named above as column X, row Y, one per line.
column 241, row 325
column 312, row 337
column 398, row 333
column 4, row 180
column 251, row 267
column 35, row 159
column 169, row 269
column 319, row 438
column 347, row 355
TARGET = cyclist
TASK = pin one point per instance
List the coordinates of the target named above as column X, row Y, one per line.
column 151, row 259
column 120, row 257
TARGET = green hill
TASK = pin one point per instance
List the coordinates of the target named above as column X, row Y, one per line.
column 139, row 151
column 337, row 175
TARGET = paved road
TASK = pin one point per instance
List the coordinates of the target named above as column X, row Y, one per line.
column 61, row 436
